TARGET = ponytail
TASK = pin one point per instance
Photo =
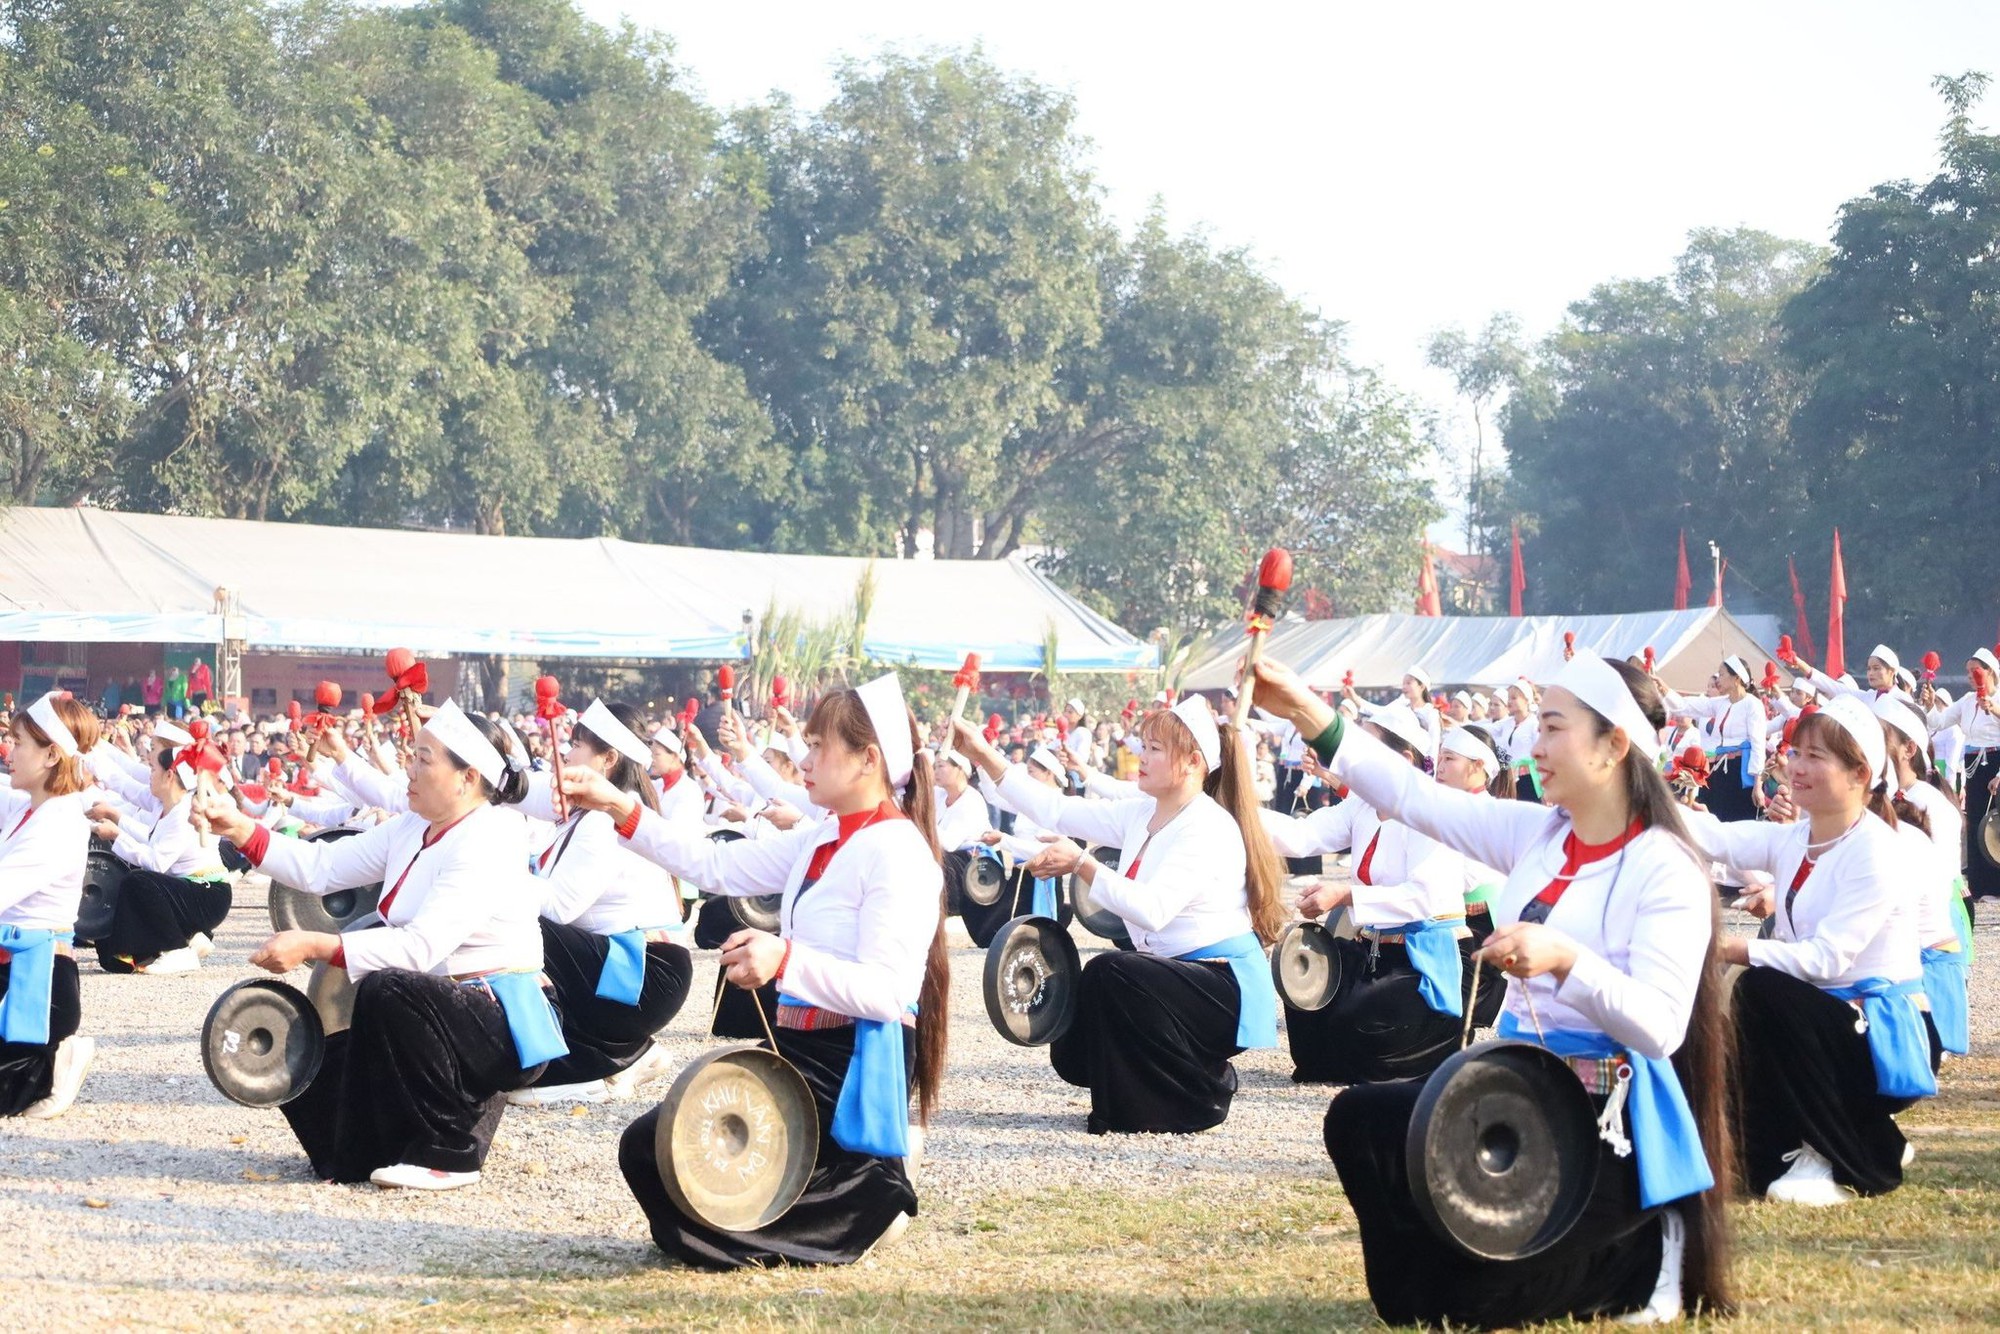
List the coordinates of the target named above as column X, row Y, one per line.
column 919, row 803
column 1231, row 788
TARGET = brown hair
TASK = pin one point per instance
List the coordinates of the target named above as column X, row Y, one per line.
column 68, row 776
column 1229, row 786
column 1501, row 785
column 1706, row 1057
column 1828, row 734
column 840, row 714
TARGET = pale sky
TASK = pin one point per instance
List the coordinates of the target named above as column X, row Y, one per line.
column 1409, row 166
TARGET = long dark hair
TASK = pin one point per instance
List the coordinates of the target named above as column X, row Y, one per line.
column 627, row 775
column 1230, row 786
column 841, row 714
column 512, row 788
column 1706, row 1057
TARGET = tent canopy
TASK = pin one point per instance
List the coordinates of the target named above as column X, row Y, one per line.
column 100, row 576
column 1494, row 650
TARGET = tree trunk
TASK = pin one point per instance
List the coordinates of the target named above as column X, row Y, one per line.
column 493, row 681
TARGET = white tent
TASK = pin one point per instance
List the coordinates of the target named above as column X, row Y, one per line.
column 1493, row 650
column 95, row 575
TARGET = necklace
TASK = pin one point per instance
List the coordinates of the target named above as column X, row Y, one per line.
column 1814, row 851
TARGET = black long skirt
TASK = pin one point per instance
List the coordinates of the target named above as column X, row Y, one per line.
column 157, row 913
column 735, row 1009
column 605, row 1036
column 1726, row 797
column 1982, row 878
column 421, row 1077
column 848, row 1203
column 1379, row 1026
column 1807, row 1079
column 1017, row 899
column 27, row 1069
column 1608, row 1263
column 714, row 923
column 1152, row 1041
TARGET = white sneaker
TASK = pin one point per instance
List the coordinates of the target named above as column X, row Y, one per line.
column 73, row 1060
column 1665, row 1306
column 891, row 1234
column 1810, row 1182
column 652, row 1063
column 549, row 1095
column 202, row 945
column 183, row 960
column 1909, row 1152
column 408, row 1176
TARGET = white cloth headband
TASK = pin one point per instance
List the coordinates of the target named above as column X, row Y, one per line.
column 1595, row 682
column 517, row 749
column 953, row 757
column 1462, row 697
column 1882, row 653
column 1077, row 704
column 1986, row 659
column 43, row 711
column 890, row 717
column 664, row 736
column 1737, row 668
column 1423, row 677
column 603, row 723
column 1047, row 759
column 1461, row 742
column 169, row 732
column 1400, row 721
column 1866, row 729
column 1200, row 720
column 450, row 725
column 1904, row 719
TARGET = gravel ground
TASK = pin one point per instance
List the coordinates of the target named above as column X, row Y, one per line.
column 155, row 1184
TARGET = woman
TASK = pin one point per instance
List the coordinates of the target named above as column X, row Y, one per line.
column 175, row 895
column 1931, row 826
column 610, row 922
column 1197, row 886
column 1516, row 736
column 1819, row 1096
column 859, row 966
column 44, row 840
column 1607, row 925
column 449, row 1010
column 1405, row 978
column 1735, row 723
column 1977, row 713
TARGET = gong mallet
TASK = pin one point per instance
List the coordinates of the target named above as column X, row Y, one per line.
column 964, row 682
column 1274, row 579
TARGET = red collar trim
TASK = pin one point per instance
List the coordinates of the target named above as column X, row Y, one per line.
column 1579, row 853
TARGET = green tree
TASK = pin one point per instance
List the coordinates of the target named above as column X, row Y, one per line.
column 1484, row 368
column 1899, row 437
column 1662, row 405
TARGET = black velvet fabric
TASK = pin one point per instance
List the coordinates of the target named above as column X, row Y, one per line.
column 27, row 1071
column 1152, row 1041
column 1726, row 797
column 157, row 913
column 1017, row 899
column 605, row 1036
column 1982, row 877
column 1807, row 1078
column 714, row 923
column 1378, row 1026
column 848, row 1203
column 1608, row 1263
column 419, row 1078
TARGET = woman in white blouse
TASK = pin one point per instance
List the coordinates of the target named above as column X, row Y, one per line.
column 44, row 841
column 1976, row 714
column 611, row 926
column 859, row 967
column 1736, row 727
column 175, row 895
column 450, row 1013
column 1827, row 1016
column 1606, row 928
column 1197, row 887
column 1406, row 975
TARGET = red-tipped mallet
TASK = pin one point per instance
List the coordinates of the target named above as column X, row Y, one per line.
column 781, row 693
column 549, row 709
column 1646, row 660
column 1931, row 664
column 1569, row 645
column 1785, row 653
column 964, row 682
column 725, row 677
column 1274, row 580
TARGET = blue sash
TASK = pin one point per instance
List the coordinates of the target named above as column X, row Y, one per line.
column 1044, row 902
column 1257, row 1013
column 24, row 1006
column 537, row 1035
column 872, row 1116
column 1944, row 987
column 1741, row 752
column 1433, row 949
column 1896, row 1037
column 624, row 973
column 1672, row 1164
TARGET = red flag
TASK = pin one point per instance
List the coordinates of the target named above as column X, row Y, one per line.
column 1517, row 579
column 1836, row 615
column 1799, row 611
column 1428, row 603
column 1681, row 581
